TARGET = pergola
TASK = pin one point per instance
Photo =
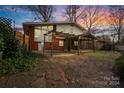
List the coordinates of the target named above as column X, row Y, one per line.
column 88, row 37
column 68, row 36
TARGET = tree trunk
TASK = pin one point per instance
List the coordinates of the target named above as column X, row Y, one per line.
column 113, row 45
column 119, row 35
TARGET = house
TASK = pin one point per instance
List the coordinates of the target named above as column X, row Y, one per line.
column 62, row 36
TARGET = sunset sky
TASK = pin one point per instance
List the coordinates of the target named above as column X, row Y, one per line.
column 19, row 14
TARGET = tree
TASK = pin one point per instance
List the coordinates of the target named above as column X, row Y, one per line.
column 10, row 45
column 43, row 12
column 116, row 18
column 73, row 13
column 91, row 17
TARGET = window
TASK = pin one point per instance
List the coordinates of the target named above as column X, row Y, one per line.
column 61, row 43
column 37, row 34
column 47, row 28
column 76, row 43
column 50, row 28
column 44, row 28
column 48, row 38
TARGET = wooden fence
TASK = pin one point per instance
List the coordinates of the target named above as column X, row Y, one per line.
column 23, row 39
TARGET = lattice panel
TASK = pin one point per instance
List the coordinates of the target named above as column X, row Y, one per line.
column 6, row 21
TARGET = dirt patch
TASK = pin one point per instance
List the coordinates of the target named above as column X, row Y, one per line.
column 89, row 69
column 84, row 70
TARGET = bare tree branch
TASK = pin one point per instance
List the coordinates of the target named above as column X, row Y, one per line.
column 116, row 19
column 43, row 12
column 93, row 15
column 73, row 13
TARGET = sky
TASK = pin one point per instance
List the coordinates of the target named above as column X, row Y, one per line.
column 19, row 14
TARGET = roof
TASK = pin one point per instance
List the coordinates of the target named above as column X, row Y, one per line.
column 52, row 23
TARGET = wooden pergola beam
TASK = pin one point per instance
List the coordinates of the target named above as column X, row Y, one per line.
column 68, row 38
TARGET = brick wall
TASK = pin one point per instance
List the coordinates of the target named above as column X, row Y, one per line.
column 55, row 45
column 33, row 45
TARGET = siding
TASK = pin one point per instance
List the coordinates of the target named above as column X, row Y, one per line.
column 69, row 29
column 33, row 45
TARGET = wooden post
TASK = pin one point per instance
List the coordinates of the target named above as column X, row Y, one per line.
column 29, row 41
column 52, row 45
column 93, row 45
column 78, row 45
column 66, row 43
column 44, row 45
column 88, row 43
column 70, row 43
column 24, row 40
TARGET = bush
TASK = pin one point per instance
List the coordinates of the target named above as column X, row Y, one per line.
column 13, row 65
column 10, row 44
column 15, row 56
column 119, row 67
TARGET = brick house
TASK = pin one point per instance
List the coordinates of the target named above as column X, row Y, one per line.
column 56, row 36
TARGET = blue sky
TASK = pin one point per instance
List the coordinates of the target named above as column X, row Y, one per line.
column 20, row 15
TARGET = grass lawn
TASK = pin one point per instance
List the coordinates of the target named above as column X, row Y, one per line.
column 84, row 70
column 101, row 55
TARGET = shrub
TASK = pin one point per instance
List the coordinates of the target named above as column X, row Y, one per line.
column 13, row 65
column 15, row 56
column 119, row 66
column 10, row 44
